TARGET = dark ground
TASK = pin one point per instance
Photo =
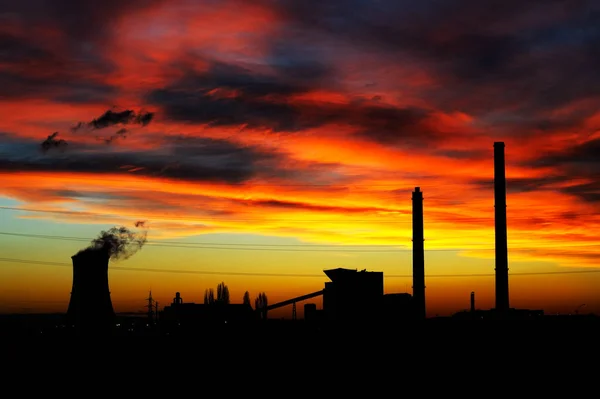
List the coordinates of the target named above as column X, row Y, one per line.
column 53, row 325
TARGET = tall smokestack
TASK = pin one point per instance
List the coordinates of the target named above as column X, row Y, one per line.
column 418, row 254
column 502, row 303
column 90, row 307
column 472, row 301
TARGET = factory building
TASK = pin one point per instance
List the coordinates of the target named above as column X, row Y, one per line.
column 352, row 295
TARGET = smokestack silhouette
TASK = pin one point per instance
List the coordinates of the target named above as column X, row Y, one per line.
column 502, row 303
column 472, row 301
column 418, row 255
column 90, row 307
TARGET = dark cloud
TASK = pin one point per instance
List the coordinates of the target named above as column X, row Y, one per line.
column 79, row 20
column 257, row 100
column 466, row 154
column 86, row 195
column 575, row 163
column 33, row 69
column 175, row 157
column 389, row 125
column 588, row 192
column 196, row 159
column 116, row 118
column 194, row 98
column 521, row 184
column 520, row 58
column 111, row 118
column 121, row 133
column 318, row 208
column 67, row 64
column 581, row 156
column 17, row 50
column 62, row 86
column 144, row 118
column 52, row 142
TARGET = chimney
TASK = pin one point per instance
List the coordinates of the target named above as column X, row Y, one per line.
column 472, row 301
column 502, row 303
column 418, row 255
column 90, row 307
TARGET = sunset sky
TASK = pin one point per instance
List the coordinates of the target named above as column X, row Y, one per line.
column 265, row 141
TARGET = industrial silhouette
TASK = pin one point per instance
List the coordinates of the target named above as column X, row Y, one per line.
column 418, row 254
column 351, row 298
column 502, row 304
column 90, row 308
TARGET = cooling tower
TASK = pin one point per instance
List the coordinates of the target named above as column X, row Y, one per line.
column 502, row 304
column 90, row 307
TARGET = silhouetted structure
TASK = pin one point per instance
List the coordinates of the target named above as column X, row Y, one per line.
column 289, row 302
column 178, row 300
column 311, row 314
column 472, row 301
column 90, row 307
column 418, row 255
column 261, row 305
column 397, row 307
column 150, row 307
column 193, row 317
column 352, row 296
column 502, row 302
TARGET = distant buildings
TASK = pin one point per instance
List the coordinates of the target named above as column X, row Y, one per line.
column 357, row 297
column 192, row 316
column 352, row 297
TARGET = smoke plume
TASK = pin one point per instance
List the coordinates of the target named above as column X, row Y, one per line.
column 120, row 242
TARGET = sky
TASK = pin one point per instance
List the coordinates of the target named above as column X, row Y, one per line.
column 263, row 142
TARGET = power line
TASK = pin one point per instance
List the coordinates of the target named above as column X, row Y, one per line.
column 389, row 217
column 232, row 246
column 48, row 236
column 258, row 274
column 285, row 247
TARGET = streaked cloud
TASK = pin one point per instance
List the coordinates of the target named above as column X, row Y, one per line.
column 283, row 112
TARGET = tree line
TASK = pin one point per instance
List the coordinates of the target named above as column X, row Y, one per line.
column 222, row 297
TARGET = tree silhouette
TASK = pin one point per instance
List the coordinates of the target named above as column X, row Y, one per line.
column 260, row 304
column 246, row 300
column 209, row 296
column 222, row 293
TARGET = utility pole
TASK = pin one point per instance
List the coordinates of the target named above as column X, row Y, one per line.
column 150, row 308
